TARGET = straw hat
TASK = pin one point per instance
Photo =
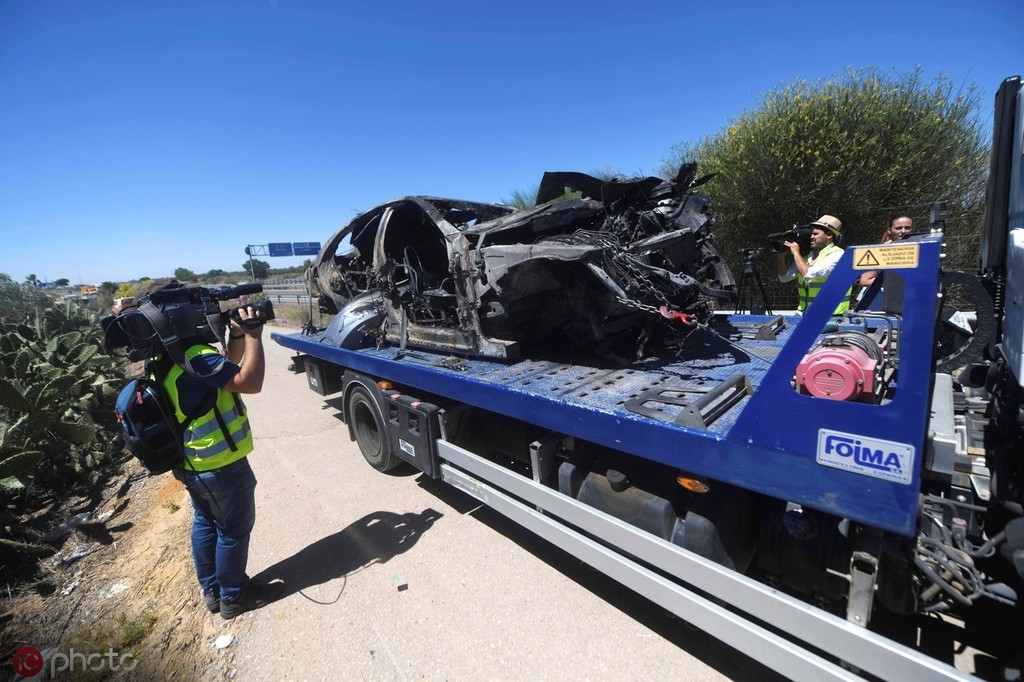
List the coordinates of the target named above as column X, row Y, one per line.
column 830, row 223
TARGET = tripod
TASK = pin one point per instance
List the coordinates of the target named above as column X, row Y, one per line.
column 743, row 301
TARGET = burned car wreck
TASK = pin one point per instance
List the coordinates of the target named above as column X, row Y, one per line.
column 626, row 267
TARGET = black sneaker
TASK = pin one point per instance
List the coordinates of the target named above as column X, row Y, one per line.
column 255, row 595
column 212, row 601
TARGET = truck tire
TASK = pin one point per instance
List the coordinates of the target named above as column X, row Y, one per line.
column 369, row 431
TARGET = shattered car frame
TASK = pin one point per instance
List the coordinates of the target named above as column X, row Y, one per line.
column 625, row 266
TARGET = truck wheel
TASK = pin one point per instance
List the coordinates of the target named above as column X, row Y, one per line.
column 368, row 428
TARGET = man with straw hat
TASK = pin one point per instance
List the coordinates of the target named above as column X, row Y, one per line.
column 810, row 273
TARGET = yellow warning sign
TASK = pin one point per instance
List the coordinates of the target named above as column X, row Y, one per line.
column 885, row 257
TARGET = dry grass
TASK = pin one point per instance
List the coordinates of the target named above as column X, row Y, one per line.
column 134, row 593
column 293, row 315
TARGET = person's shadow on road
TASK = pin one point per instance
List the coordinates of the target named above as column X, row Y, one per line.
column 373, row 539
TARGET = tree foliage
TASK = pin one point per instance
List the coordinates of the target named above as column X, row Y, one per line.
column 129, row 289
column 863, row 146
column 527, row 197
column 18, row 301
column 184, row 275
column 521, row 198
column 261, row 268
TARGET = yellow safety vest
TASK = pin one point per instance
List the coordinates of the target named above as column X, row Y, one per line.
column 206, row 446
column 809, row 288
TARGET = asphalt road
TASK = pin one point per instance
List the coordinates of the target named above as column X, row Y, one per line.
column 397, row 577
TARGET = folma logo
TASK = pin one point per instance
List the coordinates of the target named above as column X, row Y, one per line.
column 868, row 456
column 862, row 454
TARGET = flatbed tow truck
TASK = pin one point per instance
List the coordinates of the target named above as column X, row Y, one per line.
column 783, row 483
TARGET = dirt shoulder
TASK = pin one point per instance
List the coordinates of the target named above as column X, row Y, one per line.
column 133, row 592
column 122, row 581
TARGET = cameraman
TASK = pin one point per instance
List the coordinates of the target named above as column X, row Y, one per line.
column 216, row 472
column 811, row 273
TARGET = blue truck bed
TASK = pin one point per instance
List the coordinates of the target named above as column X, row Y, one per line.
column 694, row 410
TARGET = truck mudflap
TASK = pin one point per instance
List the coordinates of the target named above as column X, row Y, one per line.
column 737, row 610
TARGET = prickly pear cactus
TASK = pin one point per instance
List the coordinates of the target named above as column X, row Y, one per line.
column 57, row 387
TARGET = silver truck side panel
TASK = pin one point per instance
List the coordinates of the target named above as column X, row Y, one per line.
column 542, row 507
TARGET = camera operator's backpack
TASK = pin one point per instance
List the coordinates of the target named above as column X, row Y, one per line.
column 149, row 428
column 151, row 431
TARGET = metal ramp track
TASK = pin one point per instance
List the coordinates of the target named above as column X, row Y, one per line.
column 860, row 648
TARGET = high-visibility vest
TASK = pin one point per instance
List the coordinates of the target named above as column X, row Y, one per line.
column 217, row 437
column 809, row 288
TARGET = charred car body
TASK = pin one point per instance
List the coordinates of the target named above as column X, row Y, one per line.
column 626, row 266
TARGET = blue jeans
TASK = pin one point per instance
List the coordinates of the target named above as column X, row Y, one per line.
column 225, row 511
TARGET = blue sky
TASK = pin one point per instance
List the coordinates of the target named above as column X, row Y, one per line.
column 138, row 137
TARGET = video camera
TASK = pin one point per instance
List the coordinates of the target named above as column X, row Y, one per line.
column 801, row 234
column 168, row 316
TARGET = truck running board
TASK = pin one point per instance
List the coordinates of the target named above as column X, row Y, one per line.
column 779, row 631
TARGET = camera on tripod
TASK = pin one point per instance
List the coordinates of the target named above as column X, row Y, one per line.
column 801, row 234
column 750, row 273
column 750, row 255
column 179, row 313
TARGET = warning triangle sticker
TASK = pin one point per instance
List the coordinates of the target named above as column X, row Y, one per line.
column 867, row 260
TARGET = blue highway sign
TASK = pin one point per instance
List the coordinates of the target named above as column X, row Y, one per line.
column 306, row 248
column 280, row 249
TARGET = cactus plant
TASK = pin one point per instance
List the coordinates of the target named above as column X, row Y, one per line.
column 57, row 387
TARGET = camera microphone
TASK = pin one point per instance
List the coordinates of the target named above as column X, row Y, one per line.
column 801, row 234
column 176, row 313
column 240, row 290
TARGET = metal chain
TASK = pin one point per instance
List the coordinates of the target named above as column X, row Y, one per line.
column 641, row 281
column 639, row 306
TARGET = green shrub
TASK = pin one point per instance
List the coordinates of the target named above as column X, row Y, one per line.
column 18, row 301
column 861, row 146
column 57, row 388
